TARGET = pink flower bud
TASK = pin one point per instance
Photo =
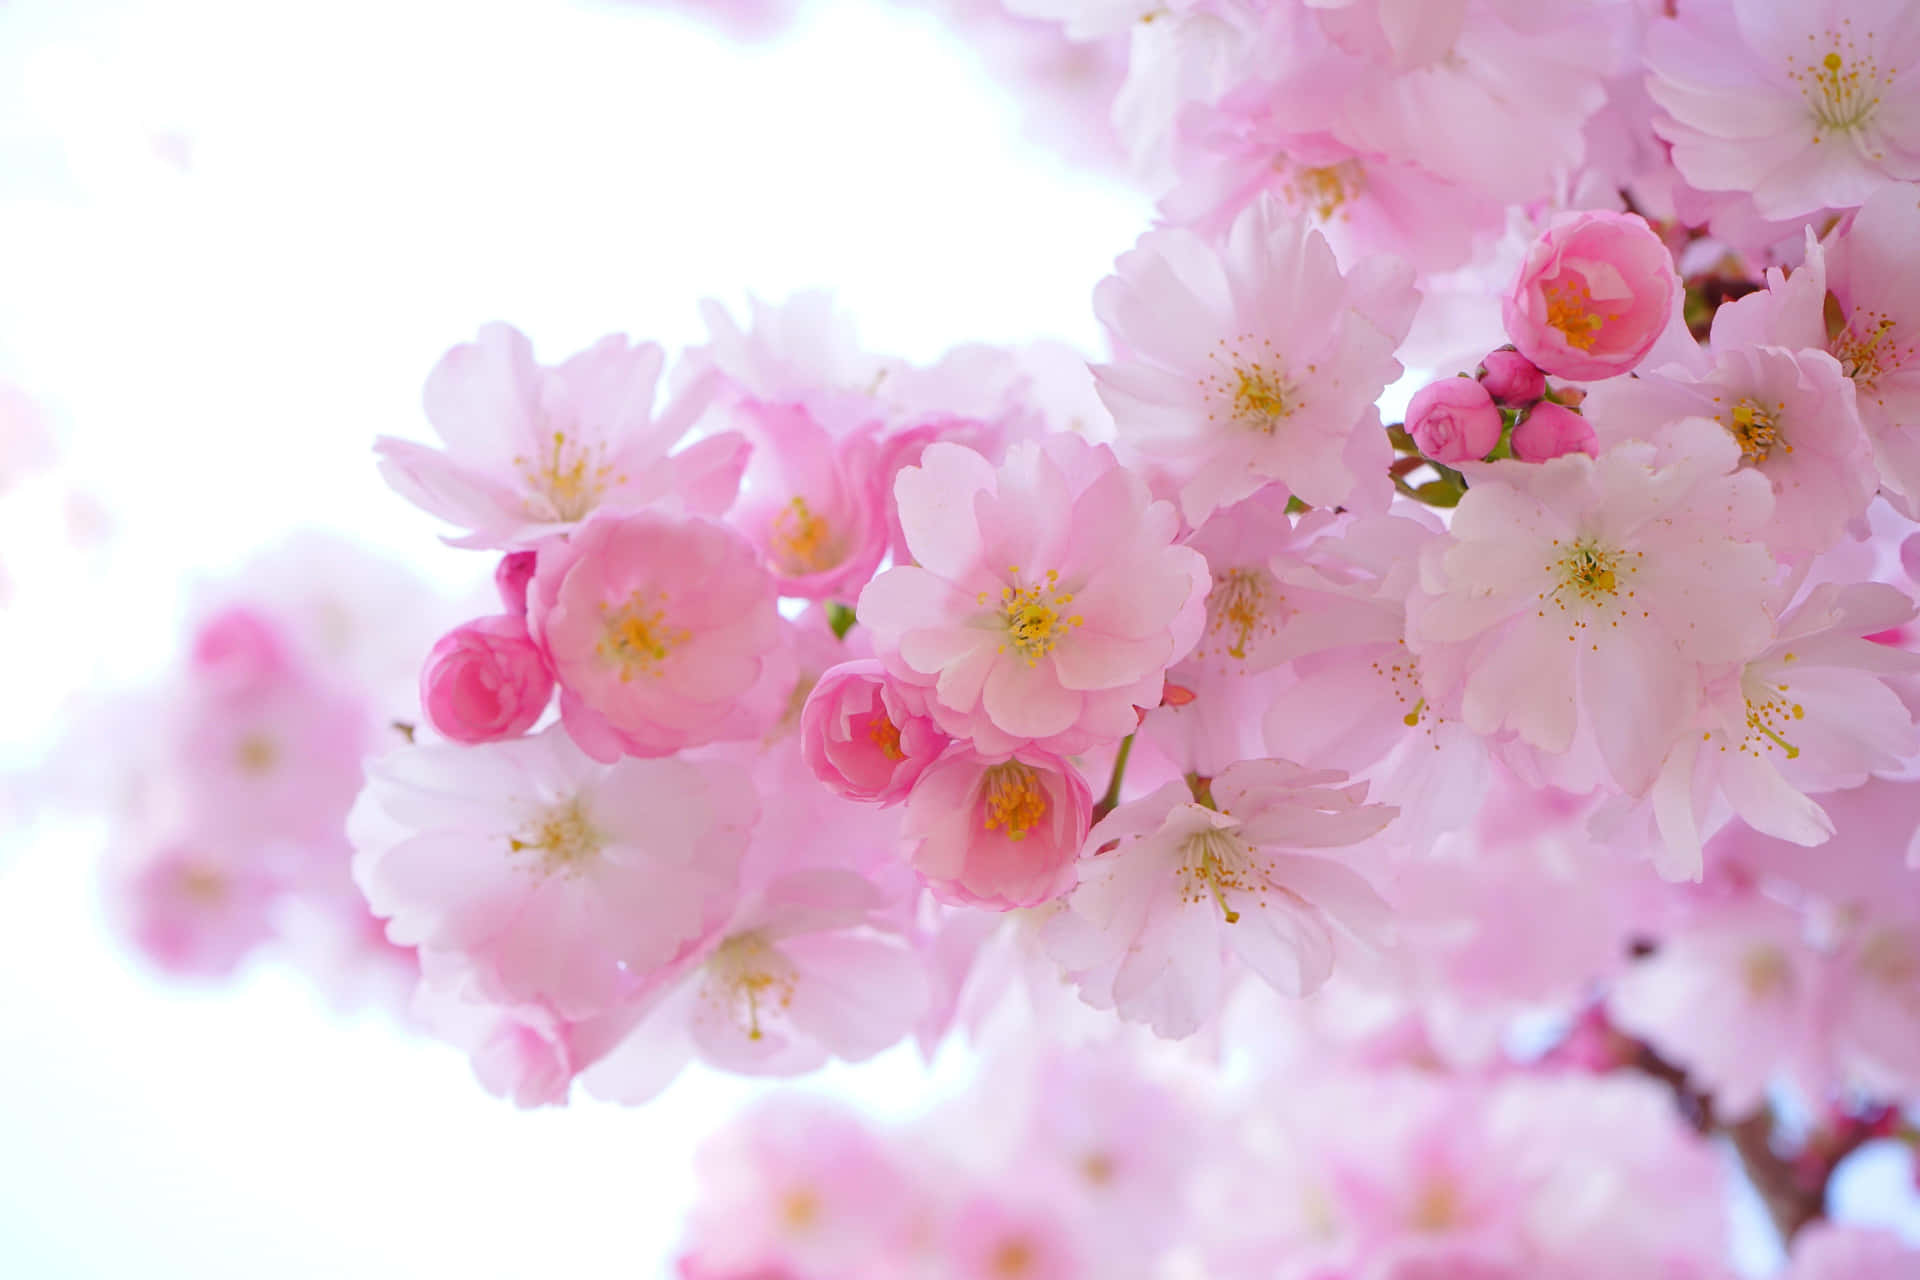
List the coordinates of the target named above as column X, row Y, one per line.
column 485, row 681
column 867, row 736
column 1593, row 295
column 1550, row 430
column 511, row 576
column 1512, row 379
column 998, row 831
column 238, row 652
column 1454, row 420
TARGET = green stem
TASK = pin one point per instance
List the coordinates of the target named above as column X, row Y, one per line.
column 1111, row 801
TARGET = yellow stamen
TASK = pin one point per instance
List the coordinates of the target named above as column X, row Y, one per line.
column 1016, row 802
column 563, row 836
column 1035, row 616
column 802, row 540
column 1571, row 310
column 637, row 638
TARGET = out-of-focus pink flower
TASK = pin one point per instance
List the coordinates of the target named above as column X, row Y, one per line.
column 1146, row 931
column 866, row 736
column 1593, row 294
column 1830, row 1251
column 1048, row 599
column 1552, row 431
column 239, row 651
column 196, row 911
column 485, row 680
column 811, row 503
column 655, row 628
column 1254, row 362
column 521, row 1053
column 537, row 875
column 1806, row 106
column 992, row 1236
column 1512, row 379
column 533, row 450
column 1454, row 420
column 997, row 831
column 510, row 578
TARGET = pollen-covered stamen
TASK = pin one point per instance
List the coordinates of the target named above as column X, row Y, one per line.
column 1238, row 609
column 1841, row 79
column 637, row 637
column 571, row 476
column 1036, row 617
column 257, row 754
column 1866, row 350
column 884, row 735
column 1250, row 386
column 202, row 884
column 1572, row 310
column 1755, row 427
column 1217, row 863
column 750, row 980
column 1765, row 971
column 1770, row 717
column 802, row 540
column 1590, row 571
column 1326, row 188
column 1015, row 801
column 562, row 835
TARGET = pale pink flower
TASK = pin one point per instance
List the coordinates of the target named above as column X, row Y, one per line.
column 1255, row 362
column 1811, row 713
column 997, row 831
column 1792, row 415
column 1803, row 105
column 1731, row 997
column 485, row 680
column 803, row 351
column 529, row 872
column 532, row 450
column 1454, row 420
column 1172, row 886
column 797, row 974
column 239, row 651
column 195, row 911
column 993, row 1236
column 1871, row 996
column 797, row 1186
column 1868, row 269
column 811, row 504
column 1511, row 378
column 655, row 628
column 867, row 736
column 1832, row 1251
column 1594, row 292
column 1577, row 599
column 1551, row 431
column 521, row 1053
column 1048, row 599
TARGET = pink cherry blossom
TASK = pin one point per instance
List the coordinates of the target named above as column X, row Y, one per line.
column 812, row 504
column 1048, row 598
column 1147, row 930
column 1867, row 269
column 485, row 680
column 1454, row 420
column 1577, row 598
column 655, row 628
column 195, row 912
column 1593, row 294
column 531, row 873
column 1255, row 362
column 1552, row 431
column 995, row 831
column 991, row 1236
column 1804, row 105
column 866, row 736
column 533, row 450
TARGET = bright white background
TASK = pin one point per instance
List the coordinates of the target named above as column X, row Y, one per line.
column 364, row 184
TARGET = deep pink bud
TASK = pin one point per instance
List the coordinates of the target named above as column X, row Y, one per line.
column 1512, row 379
column 511, row 576
column 485, row 681
column 1550, row 430
column 866, row 735
column 1454, row 420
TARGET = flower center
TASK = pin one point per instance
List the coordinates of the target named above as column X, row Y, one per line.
column 1843, row 87
column 1571, row 310
column 636, row 638
column 1016, row 802
column 562, row 835
column 1769, row 717
column 1756, row 429
column 257, row 754
column 1326, row 188
column 569, row 475
column 800, row 1208
column 1590, row 571
column 1253, row 389
column 1890, row 958
column 749, row 979
column 886, row 737
column 1237, row 606
column 1437, row 1207
column 802, row 540
column 1215, row 863
column 202, row 885
column 1035, row 617
column 1859, row 348
column 1013, row 1258
column 1765, row 971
